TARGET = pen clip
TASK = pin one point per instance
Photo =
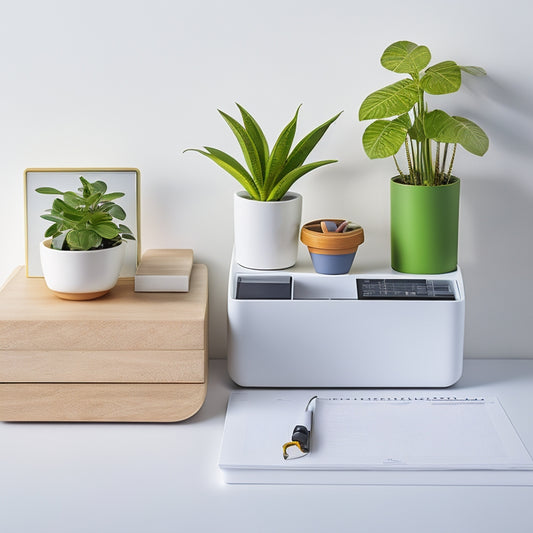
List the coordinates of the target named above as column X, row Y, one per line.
column 293, row 450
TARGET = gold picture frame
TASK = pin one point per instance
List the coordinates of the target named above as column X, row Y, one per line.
column 126, row 180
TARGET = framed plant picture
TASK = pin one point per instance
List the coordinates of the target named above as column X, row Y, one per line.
column 125, row 180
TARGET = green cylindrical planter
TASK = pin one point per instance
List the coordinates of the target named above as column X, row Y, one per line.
column 424, row 227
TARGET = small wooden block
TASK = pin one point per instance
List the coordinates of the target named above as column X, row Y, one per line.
column 164, row 271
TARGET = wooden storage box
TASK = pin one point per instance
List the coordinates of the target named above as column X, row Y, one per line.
column 126, row 357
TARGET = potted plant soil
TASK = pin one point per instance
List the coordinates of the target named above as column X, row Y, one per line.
column 425, row 199
column 332, row 244
column 83, row 250
column 267, row 215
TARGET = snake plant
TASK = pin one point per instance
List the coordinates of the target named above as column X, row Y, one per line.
column 270, row 173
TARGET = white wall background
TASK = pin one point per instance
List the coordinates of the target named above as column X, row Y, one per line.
column 114, row 83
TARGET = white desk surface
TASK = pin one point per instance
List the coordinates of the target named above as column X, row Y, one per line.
column 155, row 478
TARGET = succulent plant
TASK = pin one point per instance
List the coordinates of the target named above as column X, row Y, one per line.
column 83, row 220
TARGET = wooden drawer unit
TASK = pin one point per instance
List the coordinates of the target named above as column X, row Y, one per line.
column 126, row 357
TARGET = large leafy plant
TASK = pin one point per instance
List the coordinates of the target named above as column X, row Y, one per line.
column 425, row 135
column 270, row 173
column 83, row 220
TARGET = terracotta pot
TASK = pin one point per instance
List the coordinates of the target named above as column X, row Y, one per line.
column 331, row 252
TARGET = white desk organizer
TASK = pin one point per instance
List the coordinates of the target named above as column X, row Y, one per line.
column 295, row 328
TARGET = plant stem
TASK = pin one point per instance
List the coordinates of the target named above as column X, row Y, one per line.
column 451, row 163
column 413, row 175
column 402, row 175
column 425, row 162
column 428, row 163
column 421, row 161
column 436, row 179
column 443, row 166
column 409, row 162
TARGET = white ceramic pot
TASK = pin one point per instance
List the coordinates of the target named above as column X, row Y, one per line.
column 81, row 275
column 266, row 233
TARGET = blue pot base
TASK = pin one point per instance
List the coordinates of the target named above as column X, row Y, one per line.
column 332, row 264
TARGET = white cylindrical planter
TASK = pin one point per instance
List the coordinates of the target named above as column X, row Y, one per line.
column 81, row 275
column 266, row 233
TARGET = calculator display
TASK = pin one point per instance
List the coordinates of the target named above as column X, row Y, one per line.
column 405, row 289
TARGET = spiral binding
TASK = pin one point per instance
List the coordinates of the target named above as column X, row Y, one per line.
column 403, row 399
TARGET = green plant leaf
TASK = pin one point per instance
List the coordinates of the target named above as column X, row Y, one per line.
column 111, row 196
column 85, row 188
column 105, row 206
column 84, row 239
column 383, row 138
column 473, row 71
column 107, row 230
column 442, row 78
column 48, row 190
column 404, row 120
column 278, row 156
column 257, row 136
column 98, row 217
column 406, row 57
column 61, row 206
column 93, row 199
column 395, row 99
column 286, row 182
column 52, row 230
column 473, row 138
column 128, row 236
column 117, row 212
column 73, row 200
column 233, row 167
column 441, row 127
column 416, row 131
column 66, row 212
column 302, row 150
column 53, row 218
column 98, row 187
column 248, row 148
column 124, row 229
column 72, row 218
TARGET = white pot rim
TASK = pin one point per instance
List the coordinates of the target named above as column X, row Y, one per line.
column 289, row 196
column 46, row 244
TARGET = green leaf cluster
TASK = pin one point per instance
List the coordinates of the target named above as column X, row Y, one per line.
column 402, row 119
column 269, row 173
column 84, row 220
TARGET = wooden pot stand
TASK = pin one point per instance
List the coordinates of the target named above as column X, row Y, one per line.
column 126, row 357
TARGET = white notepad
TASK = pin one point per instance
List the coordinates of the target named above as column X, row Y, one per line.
column 392, row 440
